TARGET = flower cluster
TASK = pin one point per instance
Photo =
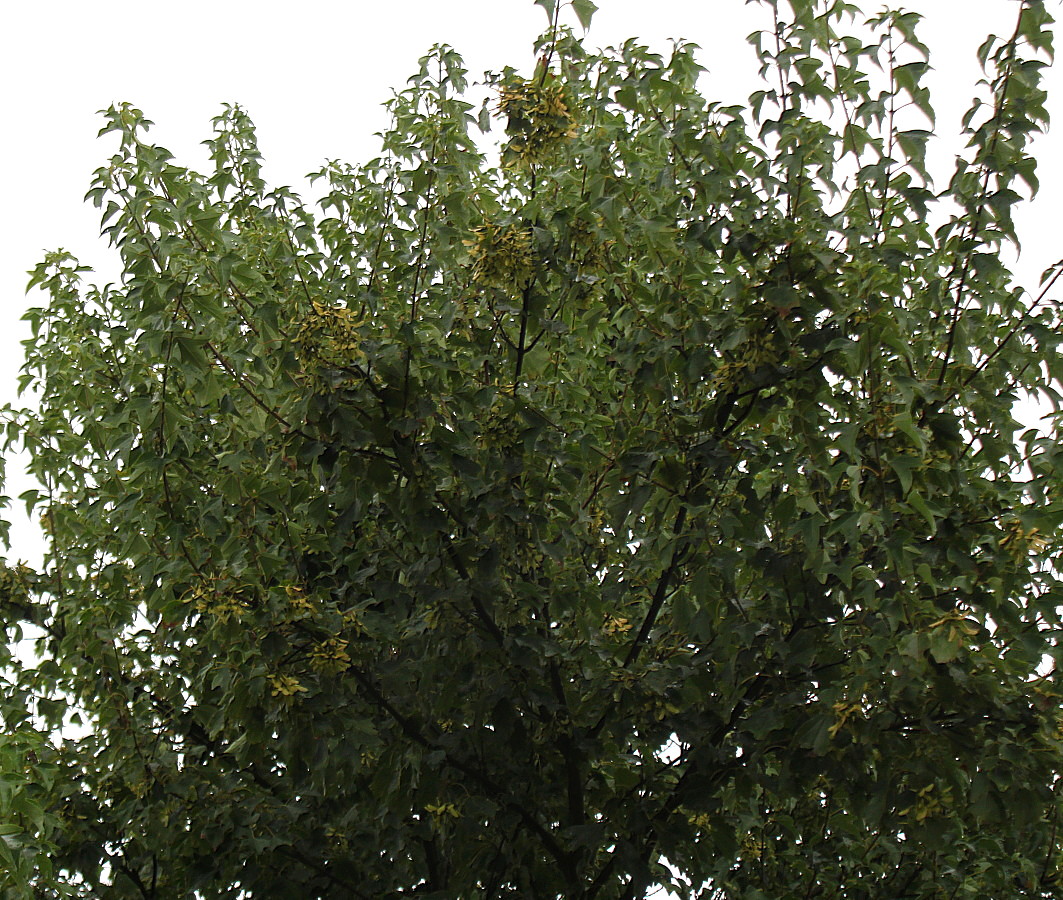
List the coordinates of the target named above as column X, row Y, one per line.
column 285, row 686
column 330, row 657
column 502, row 256
column 539, row 119
column 329, row 338
column 1021, row 542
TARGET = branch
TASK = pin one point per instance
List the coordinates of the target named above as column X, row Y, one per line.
column 660, row 592
column 975, row 222
column 410, row 729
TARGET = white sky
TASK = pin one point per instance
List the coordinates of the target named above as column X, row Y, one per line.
column 313, row 76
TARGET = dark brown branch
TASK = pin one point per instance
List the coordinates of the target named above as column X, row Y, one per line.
column 410, row 729
column 661, row 591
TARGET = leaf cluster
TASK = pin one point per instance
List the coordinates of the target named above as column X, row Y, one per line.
column 649, row 512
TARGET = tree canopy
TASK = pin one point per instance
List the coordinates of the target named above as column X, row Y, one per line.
column 635, row 501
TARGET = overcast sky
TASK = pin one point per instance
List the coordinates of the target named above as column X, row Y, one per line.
column 313, row 77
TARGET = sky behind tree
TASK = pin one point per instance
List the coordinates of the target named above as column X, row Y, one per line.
column 313, row 82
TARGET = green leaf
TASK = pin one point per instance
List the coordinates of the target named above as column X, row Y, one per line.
column 549, row 6
column 585, row 11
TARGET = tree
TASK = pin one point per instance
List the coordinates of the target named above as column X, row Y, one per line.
column 638, row 503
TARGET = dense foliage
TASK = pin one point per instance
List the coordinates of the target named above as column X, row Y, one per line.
column 639, row 501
